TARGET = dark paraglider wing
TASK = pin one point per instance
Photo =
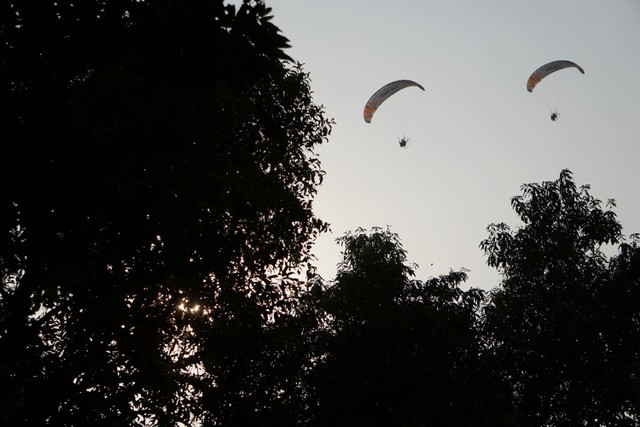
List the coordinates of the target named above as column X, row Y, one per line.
column 547, row 69
column 383, row 94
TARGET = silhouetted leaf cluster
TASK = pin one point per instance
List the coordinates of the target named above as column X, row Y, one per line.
column 397, row 351
column 564, row 327
column 158, row 176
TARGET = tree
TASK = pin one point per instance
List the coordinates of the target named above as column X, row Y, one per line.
column 396, row 351
column 563, row 327
column 158, row 179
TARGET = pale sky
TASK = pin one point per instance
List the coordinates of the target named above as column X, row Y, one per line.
column 476, row 134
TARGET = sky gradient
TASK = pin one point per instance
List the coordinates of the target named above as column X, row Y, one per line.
column 476, row 134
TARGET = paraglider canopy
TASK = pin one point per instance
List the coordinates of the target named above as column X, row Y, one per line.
column 547, row 69
column 383, row 94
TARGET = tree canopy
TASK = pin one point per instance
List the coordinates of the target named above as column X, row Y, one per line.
column 564, row 326
column 158, row 172
column 397, row 351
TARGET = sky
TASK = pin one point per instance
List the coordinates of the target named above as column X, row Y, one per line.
column 475, row 134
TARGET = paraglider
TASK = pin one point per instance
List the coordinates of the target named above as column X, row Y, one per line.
column 382, row 95
column 547, row 69
column 538, row 75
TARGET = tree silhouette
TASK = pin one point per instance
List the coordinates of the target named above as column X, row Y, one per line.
column 563, row 327
column 158, row 175
column 396, row 351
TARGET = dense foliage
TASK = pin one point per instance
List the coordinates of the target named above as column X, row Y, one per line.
column 564, row 326
column 158, row 175
column 398, row 351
